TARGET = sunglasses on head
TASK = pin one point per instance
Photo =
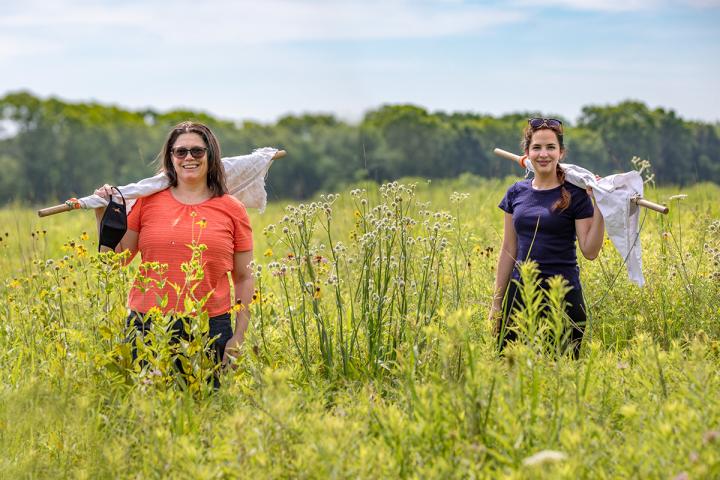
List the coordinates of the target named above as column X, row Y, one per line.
column 196, row 152
column 536, row 123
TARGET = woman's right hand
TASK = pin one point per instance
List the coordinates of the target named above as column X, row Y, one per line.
column 495, row 317
column 104, row 192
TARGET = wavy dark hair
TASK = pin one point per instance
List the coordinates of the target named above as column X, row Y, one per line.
column 564, row 201
column 216, row 172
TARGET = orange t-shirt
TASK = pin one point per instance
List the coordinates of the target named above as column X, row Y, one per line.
column 166, row 227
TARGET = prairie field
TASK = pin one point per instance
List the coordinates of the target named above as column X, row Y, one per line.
column 369, row 353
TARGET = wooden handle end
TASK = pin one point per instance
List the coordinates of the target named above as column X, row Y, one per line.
column 510, row 156
column 641, row 202
column 63, row 207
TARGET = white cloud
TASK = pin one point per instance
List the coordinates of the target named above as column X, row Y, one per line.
column 14, row 47
column 268, row 57
column 621, row 5
column 270, row 21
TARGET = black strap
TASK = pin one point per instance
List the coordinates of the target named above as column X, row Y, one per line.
column 119, row 193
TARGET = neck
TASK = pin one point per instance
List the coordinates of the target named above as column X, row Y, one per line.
column 545, row 182
column 192, row 192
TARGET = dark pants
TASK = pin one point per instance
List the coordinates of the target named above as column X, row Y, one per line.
column 575, row 311
column 219, row 329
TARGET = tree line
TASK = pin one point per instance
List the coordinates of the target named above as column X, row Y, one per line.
column 53, row 149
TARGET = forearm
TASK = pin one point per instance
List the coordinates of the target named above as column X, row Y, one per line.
column 244, row 288
column 505, row 266
column 595, row 236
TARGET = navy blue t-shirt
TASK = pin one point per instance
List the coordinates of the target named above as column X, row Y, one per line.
column 552, row 246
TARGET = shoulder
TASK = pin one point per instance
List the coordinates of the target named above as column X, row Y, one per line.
column 232, row 204
column 576, row 193
column 520, row 186
column 231, row 201
column 158, row 197
column 580, row 203
column 513, row 195
column 161, row 198
column 573, row 189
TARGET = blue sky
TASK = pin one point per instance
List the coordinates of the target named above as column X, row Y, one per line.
column 259, row 60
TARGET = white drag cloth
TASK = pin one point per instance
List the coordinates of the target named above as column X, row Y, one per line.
column 612, row 195
column 244, row 176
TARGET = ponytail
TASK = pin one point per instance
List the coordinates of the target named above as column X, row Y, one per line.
column 564, row 201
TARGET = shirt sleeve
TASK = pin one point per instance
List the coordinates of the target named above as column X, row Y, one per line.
column 133, row 220
column 506, row 204
column 243, row 240
column 582, row 204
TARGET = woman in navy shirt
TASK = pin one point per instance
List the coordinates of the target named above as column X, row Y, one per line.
column 543, row 217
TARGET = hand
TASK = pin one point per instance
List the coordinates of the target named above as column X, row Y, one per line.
column 232, row 350
column 495, row 318
column 104, row 192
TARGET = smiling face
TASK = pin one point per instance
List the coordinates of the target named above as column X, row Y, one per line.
column 544, row 152
column 188, row 168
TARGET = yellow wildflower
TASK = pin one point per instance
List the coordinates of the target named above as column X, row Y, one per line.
column 268, row 252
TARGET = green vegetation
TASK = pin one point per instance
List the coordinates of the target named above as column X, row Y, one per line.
column 53, row 150
column 369, row 353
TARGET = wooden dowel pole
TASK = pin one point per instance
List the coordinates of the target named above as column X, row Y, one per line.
column 639, row 201
column 44, row 212
column 509, row 156
column 63, row 207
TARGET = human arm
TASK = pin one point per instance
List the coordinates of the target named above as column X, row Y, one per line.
column 244, row 287
column 506, row 262
column 129, row 240
column 590, row 232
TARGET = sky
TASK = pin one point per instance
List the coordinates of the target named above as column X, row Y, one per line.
column 259, row 60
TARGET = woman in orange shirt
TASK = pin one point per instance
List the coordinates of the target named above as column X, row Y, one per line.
column 195, row 209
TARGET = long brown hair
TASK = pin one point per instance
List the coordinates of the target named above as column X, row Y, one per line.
column 563, row 202
column 216, row 172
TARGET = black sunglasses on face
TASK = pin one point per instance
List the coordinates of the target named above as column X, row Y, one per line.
column 536, row 123
column 196, row 152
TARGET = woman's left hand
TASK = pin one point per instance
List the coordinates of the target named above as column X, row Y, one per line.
column 232, row 350
column 589, row 189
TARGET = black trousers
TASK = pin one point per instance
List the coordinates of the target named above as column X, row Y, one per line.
column 220, row 330
column 575, row 311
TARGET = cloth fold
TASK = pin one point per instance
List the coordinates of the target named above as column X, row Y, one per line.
column 244, row 176
column 613, row 195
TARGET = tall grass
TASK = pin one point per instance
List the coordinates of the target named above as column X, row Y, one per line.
column 369, row 354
